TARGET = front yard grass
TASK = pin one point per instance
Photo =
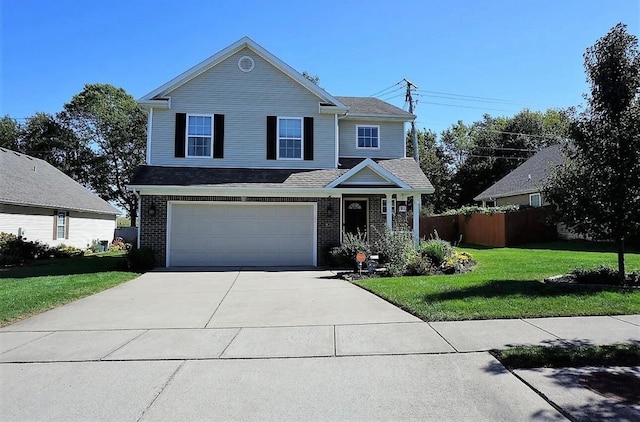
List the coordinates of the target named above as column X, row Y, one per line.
column 506, row 283
column 28, row 290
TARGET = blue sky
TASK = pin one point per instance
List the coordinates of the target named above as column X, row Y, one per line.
column 496, row 56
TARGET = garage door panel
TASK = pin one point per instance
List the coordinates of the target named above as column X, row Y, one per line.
column 241, row 234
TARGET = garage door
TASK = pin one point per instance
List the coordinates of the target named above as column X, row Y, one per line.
column 241, row 234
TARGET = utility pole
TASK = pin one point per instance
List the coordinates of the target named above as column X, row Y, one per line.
column 414, row 137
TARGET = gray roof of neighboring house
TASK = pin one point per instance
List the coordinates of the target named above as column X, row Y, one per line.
column 29, row 181
column 530, row 176
column 406, row 169
column 372, row 106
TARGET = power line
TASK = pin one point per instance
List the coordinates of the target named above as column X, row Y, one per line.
column 400, row 88
column 395, row 96
column 382, row 90
column 463, row 106
column 470, row 96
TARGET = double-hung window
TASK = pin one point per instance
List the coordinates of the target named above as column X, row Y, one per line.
column 61, row 225
column 368, row 137
column 290, row 138
column 383, row 206
column 199, row 135
column 534, row 200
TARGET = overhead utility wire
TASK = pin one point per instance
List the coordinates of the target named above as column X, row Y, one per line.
column 384, row 94
column 382, row 90
column 469, row 96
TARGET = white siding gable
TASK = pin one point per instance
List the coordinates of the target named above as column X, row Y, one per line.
column 245, row 99
column 366, row 176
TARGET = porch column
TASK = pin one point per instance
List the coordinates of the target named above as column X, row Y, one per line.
column 389, row 210
column 417, row 204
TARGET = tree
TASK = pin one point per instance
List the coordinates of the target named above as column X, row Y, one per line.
column 107, row 119
column 596, row 191
column 10, row 132
column 46, row 137
column 437, row 166
column 313, row 78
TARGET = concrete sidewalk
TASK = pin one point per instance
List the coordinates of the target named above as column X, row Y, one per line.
column 270, row 345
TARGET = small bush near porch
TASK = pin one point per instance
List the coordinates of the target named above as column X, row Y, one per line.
column 507, row 283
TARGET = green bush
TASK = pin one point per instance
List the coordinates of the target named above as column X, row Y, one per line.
column 419, row 265
column 437, row 250
column 65, row 251
column 15, row 250
column 603, row 275
column 141, row 260
column 344, row 256
column 394, row 246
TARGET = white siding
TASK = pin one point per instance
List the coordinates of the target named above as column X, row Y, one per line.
column 392, row 137
column 37, row 224
column 246, row 99
column 366, row 176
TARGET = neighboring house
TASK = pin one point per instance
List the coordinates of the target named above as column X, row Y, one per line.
column 40, row 203
column 249, row 163
column 523, row 186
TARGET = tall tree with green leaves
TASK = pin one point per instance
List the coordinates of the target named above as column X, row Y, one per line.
column 597, row 190
column 110, row 123
column 437, row 166
column 10, row 133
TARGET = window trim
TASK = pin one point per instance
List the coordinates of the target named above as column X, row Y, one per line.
column 62, row 214
column 383, row 206
column 531, row 195
column 301, row 119
column 186, row 137
column 368, row 148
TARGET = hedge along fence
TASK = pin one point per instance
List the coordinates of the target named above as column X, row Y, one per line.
column 497, row 230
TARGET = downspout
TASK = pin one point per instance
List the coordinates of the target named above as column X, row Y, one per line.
column 137, row 194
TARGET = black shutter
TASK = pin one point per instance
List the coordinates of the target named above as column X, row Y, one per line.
column 218, row 136
column 181, row 128
column 308, row 138
column 272, row 125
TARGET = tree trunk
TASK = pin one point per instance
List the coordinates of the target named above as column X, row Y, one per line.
column 621, row 270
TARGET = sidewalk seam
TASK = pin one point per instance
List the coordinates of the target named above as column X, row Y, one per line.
column 445, row 340
column 164, row 386
column 223, row 298
column 29, row 342
column 124, row 344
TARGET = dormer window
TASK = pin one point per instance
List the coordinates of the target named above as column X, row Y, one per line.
column 199, row 135
column 368, row 137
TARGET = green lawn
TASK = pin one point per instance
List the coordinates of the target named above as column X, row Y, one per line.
column 506, row 283
column 25, row 291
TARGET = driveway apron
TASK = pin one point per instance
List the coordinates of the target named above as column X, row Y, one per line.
column 247, row 345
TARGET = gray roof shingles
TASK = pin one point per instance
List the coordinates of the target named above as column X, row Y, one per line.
column 530, row 176
column 374, row 107
column 405, row 169
column 29, row 181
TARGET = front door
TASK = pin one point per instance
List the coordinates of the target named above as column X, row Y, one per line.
column 355, row 216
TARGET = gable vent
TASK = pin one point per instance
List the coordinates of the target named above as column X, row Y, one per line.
column 246, row 64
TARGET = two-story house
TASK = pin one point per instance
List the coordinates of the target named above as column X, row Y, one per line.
column 249, row 163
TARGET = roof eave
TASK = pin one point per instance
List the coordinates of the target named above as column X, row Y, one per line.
column 61, row 207
column 208, row 190
column 483, row 197
column 374, row 117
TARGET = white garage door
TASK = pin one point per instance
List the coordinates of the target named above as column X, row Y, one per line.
column 205, row 234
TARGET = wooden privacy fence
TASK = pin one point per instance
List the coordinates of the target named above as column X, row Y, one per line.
column 498, row 230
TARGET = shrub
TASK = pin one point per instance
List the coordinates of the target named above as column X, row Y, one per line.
column 394, row 245
column 344, row 256
column 437, row 250
column 15, row 250
column 141, row 260
column 64, row 251
column 603, row 275
column 419, row 265
column 457, row 262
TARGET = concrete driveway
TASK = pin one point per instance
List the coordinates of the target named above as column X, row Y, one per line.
column 247, row 345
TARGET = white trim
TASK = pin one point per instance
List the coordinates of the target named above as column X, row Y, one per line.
column 506, row 195
column 149, row 130
column 337, row 141
column 164, row 103
column 389, row 213
column 377, row 117
column 368, row 126
column 531, row 195
column 186, row 136
column 210, row 190
column 278, row 138
column 344, row 222
column 313, row 205
column 244, row 42
column 382, row 172
column 404, row 144
column 383, row 207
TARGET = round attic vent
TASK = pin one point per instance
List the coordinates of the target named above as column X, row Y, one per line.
column 246, row 64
